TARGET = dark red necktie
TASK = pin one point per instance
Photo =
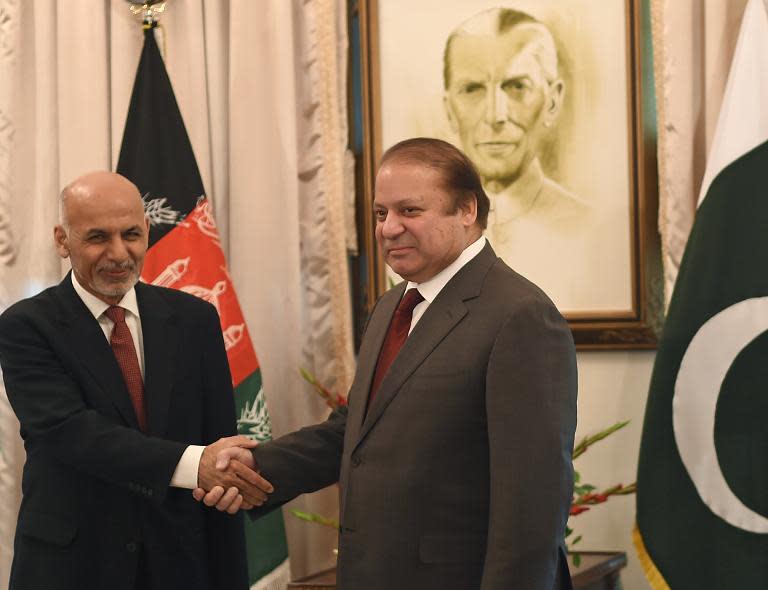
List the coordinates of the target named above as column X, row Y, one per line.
column 395, row 338
column 125, row 353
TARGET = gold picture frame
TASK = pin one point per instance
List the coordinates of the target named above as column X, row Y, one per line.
column 612, row 296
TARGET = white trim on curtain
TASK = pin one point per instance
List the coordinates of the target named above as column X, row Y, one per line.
column 238, row 69
column 693, row 43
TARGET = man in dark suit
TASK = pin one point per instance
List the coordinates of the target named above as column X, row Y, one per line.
column 118, row 387
column 454, row 455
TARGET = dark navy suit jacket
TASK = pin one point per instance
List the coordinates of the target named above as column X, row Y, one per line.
column 96, row 492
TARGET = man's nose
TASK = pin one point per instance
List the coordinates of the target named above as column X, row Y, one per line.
column 497, row 107
column 392, row 226
column 117, row 249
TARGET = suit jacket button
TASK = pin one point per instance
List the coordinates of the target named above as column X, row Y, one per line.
column 131, row 547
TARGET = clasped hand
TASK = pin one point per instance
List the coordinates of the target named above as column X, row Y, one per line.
column 227, row 484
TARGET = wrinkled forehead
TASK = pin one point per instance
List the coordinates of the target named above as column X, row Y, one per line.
column 478, row 44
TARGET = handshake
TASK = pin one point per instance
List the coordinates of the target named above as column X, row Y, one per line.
column 227, row 476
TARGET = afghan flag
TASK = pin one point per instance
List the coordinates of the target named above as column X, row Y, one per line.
column 185, row 253
column 702, row 489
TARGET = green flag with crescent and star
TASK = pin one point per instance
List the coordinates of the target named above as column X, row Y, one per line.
column 702, row 499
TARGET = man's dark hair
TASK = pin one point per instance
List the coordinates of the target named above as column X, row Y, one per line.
column 506, row 19
column 459, row 175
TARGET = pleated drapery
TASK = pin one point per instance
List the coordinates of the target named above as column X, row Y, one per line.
column 262, row 89
column 693, row 43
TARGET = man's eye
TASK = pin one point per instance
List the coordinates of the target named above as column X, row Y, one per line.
column 473, row 88
column 380, row 215
column 516, row 85
column 95, row 238
column 411, row 211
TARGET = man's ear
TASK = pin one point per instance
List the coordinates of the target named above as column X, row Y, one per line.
column 449, row 114
column 468, row 210
column 554, row 103
column 61, row 240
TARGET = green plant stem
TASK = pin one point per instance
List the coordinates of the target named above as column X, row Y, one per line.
column 329, row 398
column 588, row 441
column 312, row 517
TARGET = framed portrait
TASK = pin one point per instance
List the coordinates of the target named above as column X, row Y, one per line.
column 549, row 100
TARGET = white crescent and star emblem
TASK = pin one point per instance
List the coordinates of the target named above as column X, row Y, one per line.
column 705, row 364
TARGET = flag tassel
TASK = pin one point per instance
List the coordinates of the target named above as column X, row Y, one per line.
column 652, row 574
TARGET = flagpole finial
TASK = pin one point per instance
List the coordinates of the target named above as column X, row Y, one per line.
column 148, row 10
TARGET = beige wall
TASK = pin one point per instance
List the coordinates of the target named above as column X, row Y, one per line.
column 613, row 386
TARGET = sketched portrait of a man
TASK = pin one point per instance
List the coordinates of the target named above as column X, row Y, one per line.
column 503, row 97
column 535, row 93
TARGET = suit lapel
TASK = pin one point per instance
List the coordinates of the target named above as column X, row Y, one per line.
column 161, row 340
column 368, row 356
column 442, row 315
column 435, row 324
column 87, row 337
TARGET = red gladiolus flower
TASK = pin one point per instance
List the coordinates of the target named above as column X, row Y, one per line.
column 577, row 510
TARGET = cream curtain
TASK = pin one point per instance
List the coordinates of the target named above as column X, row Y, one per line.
column 693, row 43
column 262, row 88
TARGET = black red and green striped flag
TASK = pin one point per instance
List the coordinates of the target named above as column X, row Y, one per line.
column 702, row 486
column 185, row 253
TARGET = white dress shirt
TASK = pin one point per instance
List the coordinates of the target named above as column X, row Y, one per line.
column 185, row 474
column 430, row 288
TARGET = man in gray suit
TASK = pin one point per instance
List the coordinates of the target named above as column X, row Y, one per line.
column 454, row 454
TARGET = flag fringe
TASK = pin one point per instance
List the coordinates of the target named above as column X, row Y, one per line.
column 652, row 574
column 277, row 579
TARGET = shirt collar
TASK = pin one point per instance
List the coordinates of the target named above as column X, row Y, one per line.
column 97, row 307
column 429, row 289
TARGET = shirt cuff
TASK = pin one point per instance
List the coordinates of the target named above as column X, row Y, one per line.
column 185, row 474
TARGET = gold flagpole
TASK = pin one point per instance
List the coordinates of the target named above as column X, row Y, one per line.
column 149, row 11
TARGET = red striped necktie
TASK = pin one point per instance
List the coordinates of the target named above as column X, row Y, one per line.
column 395, row 338
column 125, row 353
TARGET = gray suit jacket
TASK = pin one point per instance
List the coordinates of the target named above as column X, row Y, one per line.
column 460, row 475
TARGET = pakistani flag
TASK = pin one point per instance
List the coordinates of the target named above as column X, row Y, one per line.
column 185, row 253
column 702, row 499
